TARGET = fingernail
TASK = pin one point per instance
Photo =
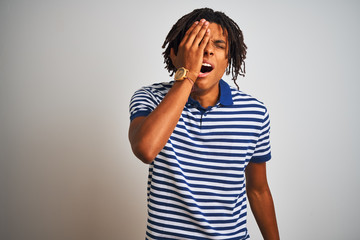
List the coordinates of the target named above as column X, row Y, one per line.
column 206, row 23
column 197, row 22
column 202, row 20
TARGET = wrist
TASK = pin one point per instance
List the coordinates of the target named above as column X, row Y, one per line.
column 190, row 80
column 186, row 83
column 182, row 73
column 191, row 76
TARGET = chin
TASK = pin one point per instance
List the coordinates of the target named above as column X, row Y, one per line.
column 204, row 84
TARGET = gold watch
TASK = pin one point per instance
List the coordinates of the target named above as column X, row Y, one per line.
column 180, row 74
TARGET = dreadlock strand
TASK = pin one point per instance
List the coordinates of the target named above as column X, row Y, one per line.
column 237, row 48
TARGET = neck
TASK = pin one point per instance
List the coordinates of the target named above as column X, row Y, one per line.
column 206, row 98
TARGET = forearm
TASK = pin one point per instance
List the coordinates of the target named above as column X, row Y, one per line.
column 263, row 209
column 149, row 136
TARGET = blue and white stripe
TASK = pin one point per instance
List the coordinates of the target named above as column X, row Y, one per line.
column 196, row 186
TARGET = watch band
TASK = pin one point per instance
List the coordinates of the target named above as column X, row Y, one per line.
column 192, row 81
column 181, row 74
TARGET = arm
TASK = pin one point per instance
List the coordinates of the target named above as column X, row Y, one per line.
column 261, row 201
column 148, row 135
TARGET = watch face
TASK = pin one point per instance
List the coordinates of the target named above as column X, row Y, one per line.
column 179, row 74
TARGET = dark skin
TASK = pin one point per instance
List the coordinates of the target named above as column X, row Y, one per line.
column 260, row 200
column 203, row 42
column 148, row 135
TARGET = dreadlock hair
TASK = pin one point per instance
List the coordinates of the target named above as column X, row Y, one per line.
column 236, row 50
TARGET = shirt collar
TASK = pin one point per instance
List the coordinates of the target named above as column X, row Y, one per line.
column 225, row 95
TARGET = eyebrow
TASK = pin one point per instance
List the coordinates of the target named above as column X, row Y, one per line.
column 219, row 42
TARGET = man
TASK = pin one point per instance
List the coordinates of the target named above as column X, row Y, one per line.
column 203, row 138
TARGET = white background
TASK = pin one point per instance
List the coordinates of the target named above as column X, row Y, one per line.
column 67, row 72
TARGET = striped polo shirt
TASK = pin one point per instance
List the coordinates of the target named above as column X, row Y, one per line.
column 196, row 184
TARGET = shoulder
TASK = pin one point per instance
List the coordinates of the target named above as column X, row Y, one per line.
column 158, row 88
column 147, row 98
column 155, row 91
column 244, row 100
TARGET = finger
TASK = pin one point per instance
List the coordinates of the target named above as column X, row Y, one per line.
column 188, row 32
column 205, row 39
column 192, row 35
column 199, row 37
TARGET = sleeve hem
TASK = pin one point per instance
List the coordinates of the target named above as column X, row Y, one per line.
column 139, row 114
column 260, row 159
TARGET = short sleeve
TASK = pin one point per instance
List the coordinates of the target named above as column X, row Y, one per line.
column 262, row 151
column 142, row 103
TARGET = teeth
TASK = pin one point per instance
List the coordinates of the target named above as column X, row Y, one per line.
column 206, row 65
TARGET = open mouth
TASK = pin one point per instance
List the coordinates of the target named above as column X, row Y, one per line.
column 206, row 67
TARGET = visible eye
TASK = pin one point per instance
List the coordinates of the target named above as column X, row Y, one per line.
column 219, row 44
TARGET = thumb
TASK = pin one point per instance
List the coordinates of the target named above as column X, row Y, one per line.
column 173, row 56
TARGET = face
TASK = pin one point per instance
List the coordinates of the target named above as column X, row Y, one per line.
column 215, row 60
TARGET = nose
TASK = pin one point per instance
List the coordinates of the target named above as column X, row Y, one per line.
column 209, row 49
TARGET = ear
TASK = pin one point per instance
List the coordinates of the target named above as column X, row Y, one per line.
column 172, row 56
